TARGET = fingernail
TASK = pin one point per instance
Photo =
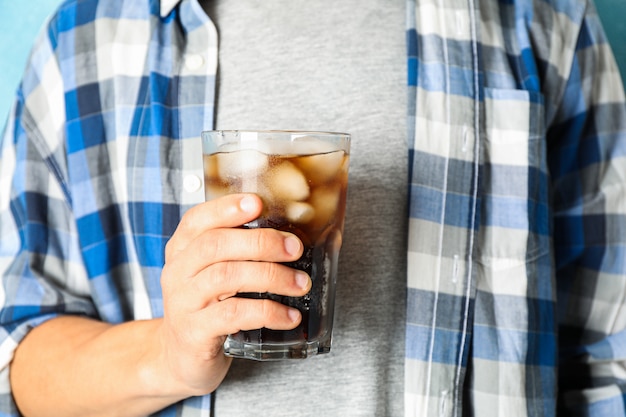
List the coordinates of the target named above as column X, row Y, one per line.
column 294, row 315
column 292, row 245
column 302, row 280
column 247, row 204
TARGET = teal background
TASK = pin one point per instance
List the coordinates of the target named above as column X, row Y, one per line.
column 613, row 16
column 21, row 20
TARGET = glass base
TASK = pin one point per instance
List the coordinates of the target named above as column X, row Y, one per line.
column 275, row 352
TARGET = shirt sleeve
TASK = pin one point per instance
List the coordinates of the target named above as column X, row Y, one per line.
column 587, row 160
column 41, row 270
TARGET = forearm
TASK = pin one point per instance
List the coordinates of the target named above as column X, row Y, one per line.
column 79, row 367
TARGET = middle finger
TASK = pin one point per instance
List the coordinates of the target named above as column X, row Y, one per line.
column 220, row 245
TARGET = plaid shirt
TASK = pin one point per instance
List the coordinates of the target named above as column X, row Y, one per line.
column 517, row 134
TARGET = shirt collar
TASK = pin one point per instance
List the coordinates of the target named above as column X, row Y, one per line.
column 167, row 6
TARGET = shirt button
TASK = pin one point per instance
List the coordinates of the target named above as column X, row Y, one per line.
column 192, row 183
column 194, row 62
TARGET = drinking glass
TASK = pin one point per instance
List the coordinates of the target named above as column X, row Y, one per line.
column 302, row 178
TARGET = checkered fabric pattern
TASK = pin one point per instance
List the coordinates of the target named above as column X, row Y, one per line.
column 100, row 154
column 517, row 132
column 516, row 264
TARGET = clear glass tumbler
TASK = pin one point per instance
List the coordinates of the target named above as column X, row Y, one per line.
column 302, row 178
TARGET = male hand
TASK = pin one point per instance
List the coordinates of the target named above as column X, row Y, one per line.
column 208, row 260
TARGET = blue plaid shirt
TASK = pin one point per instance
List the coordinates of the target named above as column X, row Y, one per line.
column 517, row 139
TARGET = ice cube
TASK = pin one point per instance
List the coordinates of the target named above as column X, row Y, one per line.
column 322, row 168
column 274, row 147
column 325, row 201
column 230, row 147
column 261, row 189
column 241, row 164
column 309, row 145
column 288, row 183
column 299, row 212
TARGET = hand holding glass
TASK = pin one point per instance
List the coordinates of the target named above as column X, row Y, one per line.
column 302, row 178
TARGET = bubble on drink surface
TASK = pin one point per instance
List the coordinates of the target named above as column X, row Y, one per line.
column 324, row 288
column 243, row 163
column 288, row 183
column 299, row 212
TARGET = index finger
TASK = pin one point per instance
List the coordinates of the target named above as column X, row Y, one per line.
column 232, row 210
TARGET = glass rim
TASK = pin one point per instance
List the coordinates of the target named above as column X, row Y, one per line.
column 278, row 131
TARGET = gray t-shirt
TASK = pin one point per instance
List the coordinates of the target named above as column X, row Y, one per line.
column 337, row 66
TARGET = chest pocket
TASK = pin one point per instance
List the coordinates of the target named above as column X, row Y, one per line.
column 515, row 215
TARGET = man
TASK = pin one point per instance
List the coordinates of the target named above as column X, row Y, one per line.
column 118, row 280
